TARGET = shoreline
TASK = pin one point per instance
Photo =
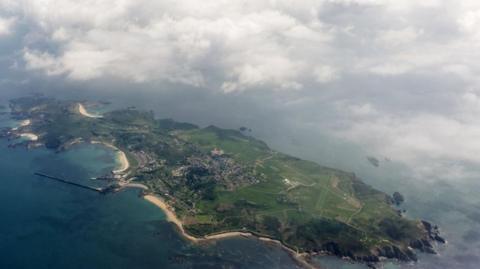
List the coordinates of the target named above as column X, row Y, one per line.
column 83, row 111
column 30, row 136
column 120, row 157
column 171, row 216
column 300, row 258
column 124, row 163
column 24, row 123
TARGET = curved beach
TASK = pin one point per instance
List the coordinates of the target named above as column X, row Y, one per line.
column 169, row 214
column 121, row 157
column 30, row 136
column 24, row 123
column 84, row 112
column 124, row 164
column 172, row 217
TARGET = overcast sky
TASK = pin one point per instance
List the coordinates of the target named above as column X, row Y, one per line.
column 397, row 78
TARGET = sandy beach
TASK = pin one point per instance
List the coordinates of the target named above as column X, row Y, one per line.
column 24, row 123
column 30, row 136
column 227, row 235
column 124, row 164
column 172, row 217
column 121, row 157
column 84, row 112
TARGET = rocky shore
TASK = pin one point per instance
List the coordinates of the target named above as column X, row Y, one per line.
column 425, row 245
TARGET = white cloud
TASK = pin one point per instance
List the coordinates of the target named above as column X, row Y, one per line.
column 393, row 37
column 469, row 21
column 6, row 25
column 237, row 45
column 362, row 110
column 325, row 73
column 233, row 45
column 423, row 141
column 42, row 61
column 393, row 68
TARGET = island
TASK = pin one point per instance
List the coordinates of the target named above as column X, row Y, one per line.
column 214, row 183
column 373, row 161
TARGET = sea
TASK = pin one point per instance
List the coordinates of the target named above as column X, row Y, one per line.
column 46, row 224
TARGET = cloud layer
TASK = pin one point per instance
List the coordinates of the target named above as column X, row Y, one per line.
column 233, row 45
column 399, row 78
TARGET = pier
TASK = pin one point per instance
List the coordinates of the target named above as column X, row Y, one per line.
column 99, row 190
column 112, row 188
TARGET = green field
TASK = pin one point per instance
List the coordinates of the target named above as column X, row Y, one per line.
column 292, row 194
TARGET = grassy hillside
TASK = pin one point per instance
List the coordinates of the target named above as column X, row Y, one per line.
column 300, row 202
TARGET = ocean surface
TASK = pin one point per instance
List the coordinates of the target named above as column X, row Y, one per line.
column 45, row 224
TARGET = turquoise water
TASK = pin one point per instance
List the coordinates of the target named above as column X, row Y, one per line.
column 46, row 224
column 50, row 225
